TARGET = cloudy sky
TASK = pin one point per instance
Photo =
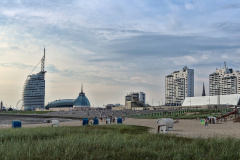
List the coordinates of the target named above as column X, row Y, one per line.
column 114, row 47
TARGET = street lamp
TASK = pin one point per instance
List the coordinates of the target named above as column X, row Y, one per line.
column 190, row 102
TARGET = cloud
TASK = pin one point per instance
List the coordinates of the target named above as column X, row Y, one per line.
column 189, row 6
column 233, row 27
column 231, row 6
column 52, row 69
column 138, row 47
column 125, row 45
column 16, row 65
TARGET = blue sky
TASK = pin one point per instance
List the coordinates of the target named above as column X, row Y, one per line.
column 114, row 47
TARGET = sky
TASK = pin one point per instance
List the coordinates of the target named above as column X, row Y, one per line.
column 114, row 47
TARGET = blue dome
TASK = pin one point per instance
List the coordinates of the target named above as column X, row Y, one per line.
column 81, row 101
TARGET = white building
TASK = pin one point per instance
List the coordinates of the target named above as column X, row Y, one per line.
column 178, row 85
column 224, row 81
column 34, row 90
column 232, row 99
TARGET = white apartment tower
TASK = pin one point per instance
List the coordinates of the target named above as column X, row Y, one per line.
column 224, row 81
column 178, row 85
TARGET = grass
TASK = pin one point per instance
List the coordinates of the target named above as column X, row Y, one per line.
column 25, row 112
column 110, row 142
column 200, row 114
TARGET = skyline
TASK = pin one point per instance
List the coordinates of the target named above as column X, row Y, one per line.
column 114, row 48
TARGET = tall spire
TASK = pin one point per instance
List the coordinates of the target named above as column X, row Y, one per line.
column 82, row 89
column 203, row 92
column 43, row 62
column 1, row 105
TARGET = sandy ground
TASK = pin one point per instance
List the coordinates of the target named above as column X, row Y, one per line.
column 186, row 128
column 193, row 128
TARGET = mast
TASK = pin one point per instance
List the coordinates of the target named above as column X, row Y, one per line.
column 43, row 62
column 1, row 105
column 203, row 92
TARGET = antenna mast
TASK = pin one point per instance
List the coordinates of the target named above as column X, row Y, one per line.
column 43, row 62
column 82, row 89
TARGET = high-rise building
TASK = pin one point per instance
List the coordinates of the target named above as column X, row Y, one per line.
column 224, row 81
column 34, row 89
column 178, row 85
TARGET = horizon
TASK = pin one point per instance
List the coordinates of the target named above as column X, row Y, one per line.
column 114, row 48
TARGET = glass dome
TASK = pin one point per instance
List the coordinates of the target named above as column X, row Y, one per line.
column 82, row 100
column 62, row 103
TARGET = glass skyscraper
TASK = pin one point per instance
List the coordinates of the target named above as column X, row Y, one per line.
column 34, row 89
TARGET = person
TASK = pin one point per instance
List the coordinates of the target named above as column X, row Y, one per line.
column 177, row 121
column 206, row 122
column 91, row 121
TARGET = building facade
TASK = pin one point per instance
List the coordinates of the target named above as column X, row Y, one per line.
column 178, row 86
column 135, row 99
column 224, row 82
column 227, row 100
column 34, row 89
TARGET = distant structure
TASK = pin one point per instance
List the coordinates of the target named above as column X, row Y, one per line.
column 203, row 92
column 110, row 106
column 224, row 82
column 135, row 99
column 1, row 105
column 178, row 86
column 226, row 100
column 81, row 101
column 34, row 89
column 61, row 104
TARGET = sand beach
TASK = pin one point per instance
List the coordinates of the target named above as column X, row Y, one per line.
column 186, row 128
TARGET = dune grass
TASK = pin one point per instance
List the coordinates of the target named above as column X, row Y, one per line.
column 198, row 114
column 110, row 142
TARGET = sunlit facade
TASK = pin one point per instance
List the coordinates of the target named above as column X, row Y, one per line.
column 178, row 86
column 224, row 82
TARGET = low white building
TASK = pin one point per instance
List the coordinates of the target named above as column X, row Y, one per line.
column 231, row 99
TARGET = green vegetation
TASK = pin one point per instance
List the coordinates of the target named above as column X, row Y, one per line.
column 187, row 114
column 25, row 112
column 110, row 142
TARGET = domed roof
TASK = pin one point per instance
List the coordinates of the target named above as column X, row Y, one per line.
column 82, row 100
column 61, row 103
